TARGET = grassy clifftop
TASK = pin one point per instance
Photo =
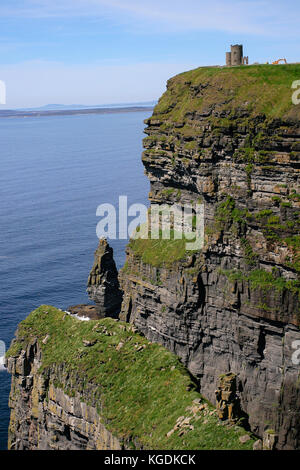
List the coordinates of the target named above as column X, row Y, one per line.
column 257, row 89
column 142, row 387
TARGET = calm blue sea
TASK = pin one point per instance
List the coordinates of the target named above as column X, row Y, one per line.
column 55, row 171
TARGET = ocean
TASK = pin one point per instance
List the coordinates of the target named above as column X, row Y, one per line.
column 55, row 171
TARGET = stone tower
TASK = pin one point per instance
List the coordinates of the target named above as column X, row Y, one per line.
column 228, row 59
column 237, row 54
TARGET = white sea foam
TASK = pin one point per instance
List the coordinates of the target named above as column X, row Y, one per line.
column 2, row 355
column 81, row 318
column 2, row 368
column 77, row 316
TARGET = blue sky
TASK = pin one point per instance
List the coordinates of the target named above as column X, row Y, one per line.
column 111, row 51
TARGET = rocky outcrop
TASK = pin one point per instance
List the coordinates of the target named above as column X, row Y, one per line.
column 103, row 285
column 226, row 398
column 233, row 307
column 92, row 312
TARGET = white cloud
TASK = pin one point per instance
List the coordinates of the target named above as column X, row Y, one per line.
column 266, row 17
column 37, row 83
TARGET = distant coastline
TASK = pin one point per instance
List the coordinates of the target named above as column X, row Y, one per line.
column 9, row 113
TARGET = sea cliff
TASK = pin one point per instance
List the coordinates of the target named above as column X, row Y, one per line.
column 228, row 138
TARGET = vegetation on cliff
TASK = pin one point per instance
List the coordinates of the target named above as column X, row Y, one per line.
column 245, row 114
column 257, row 89
column 159, row 252
column 276, row 229
column 141, row 389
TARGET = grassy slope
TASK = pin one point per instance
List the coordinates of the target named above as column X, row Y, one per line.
column 142, row 392
column 261, row 89
column 159, row 252
column 162, row 251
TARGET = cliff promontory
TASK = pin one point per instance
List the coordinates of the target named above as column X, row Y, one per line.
column 98, row 384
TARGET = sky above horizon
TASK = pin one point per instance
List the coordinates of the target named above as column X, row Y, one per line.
column 119, row 51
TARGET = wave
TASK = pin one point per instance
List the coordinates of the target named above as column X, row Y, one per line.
column 2, row 368
column 74, row 315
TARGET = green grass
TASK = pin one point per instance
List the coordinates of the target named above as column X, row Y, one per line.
column 279, row 229
column 293, row 243
column 266, row 281
column 142, row 393
column 294, row 196
column 161, row 252
column 276, row 229
column 228, row 215
column 263, row 280
column 262, row 89
column 264, row 213
column 251, row 258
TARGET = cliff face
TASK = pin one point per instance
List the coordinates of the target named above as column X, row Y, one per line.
column 229, row 138
column 99, row 385
column 43, row 417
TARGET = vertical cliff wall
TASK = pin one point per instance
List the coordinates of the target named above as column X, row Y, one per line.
column 44, row 417
column 230, row 139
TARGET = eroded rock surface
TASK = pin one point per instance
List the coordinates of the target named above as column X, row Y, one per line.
column 103, row 285
column 235, row 307
column 93, row 312
column 43, row 417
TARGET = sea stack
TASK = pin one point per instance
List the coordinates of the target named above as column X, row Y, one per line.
column 103, row 284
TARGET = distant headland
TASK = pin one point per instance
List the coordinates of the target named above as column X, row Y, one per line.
column 10, row 113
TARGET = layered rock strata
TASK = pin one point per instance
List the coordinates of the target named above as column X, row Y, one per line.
column 103, row 285
column 43, row 417
column 229, row 139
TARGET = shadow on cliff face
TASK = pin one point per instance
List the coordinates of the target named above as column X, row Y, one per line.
column 129, row 310
column 201, row 291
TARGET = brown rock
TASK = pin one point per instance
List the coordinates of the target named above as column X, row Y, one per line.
column 257, row 445
column 45, row 340
column 89, row 311
column 244, row 439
